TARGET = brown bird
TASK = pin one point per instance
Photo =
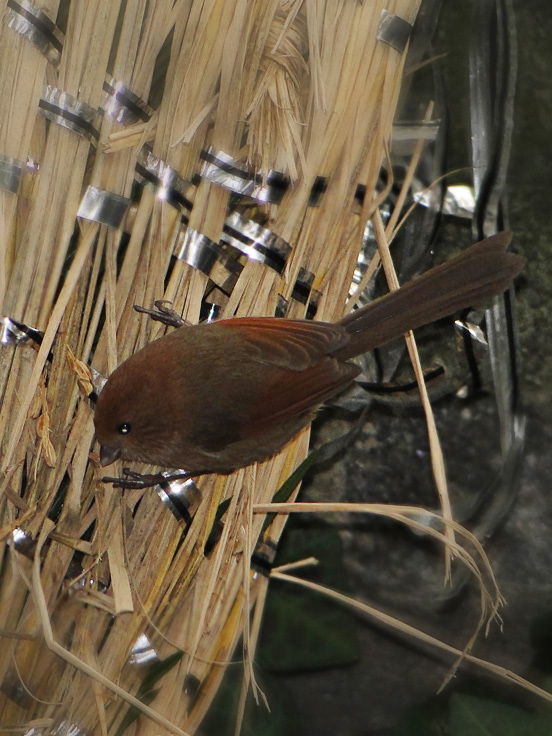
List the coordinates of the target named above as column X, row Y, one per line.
column 218, row 396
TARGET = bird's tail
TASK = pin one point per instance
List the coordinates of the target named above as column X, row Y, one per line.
column 480, row 272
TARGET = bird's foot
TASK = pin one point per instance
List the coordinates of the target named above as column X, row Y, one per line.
column 163, row 314
column 133, row 480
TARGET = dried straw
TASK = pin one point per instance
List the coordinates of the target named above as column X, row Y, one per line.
column 299, row 86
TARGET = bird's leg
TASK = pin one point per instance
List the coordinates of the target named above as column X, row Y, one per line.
column 163, row 314
column 132, row 480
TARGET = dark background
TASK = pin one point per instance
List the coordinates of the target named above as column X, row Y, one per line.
column 392, row 675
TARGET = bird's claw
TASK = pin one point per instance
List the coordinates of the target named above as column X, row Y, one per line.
column 132, row 480
column 163, row 314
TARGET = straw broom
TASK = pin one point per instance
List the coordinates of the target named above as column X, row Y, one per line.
column 305, row 88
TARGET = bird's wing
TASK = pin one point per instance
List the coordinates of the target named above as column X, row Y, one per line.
column 303, row 374
column 292, row 393
column 286, row 343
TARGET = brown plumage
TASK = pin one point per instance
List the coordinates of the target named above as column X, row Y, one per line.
column 219, row 396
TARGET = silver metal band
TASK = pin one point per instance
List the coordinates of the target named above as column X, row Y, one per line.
column 16, row 333
column 65, row 110
column 220, row 168
column 11, row 171
column 33, row 24
column 256, row 242
column 169, row 186
column 102, row 206
column 393, row 31
column 123, row 105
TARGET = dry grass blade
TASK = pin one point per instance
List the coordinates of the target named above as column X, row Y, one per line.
column 302, row 88
column 418, row 519
column 414, row 633
column 51, row 643
column 437, row 460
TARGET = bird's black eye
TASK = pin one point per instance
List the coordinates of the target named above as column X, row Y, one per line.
column 124, row 428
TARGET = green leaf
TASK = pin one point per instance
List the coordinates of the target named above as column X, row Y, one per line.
column 303, row 629
column 288, row 486
column 472, row 716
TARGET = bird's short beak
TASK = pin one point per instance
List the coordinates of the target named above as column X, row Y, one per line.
column 109, row 454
